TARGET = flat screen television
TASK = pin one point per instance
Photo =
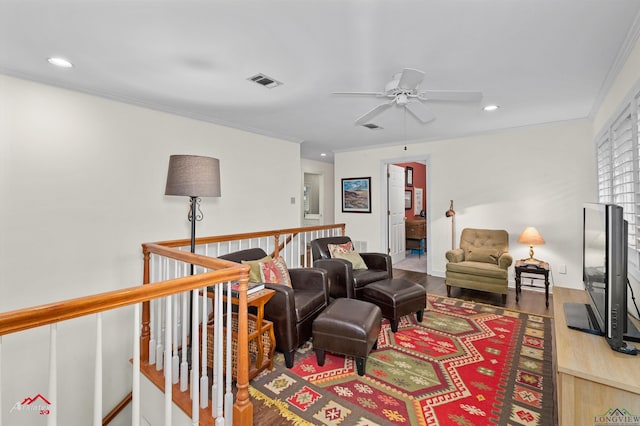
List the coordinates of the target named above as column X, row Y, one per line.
column 604, row 274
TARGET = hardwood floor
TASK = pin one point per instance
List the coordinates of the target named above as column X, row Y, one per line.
column 530, row 301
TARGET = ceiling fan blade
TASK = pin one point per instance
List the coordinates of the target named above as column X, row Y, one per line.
column 410, row 78
column 359, row 93
column 374, row 112
column 450, row 95
column 420, row 111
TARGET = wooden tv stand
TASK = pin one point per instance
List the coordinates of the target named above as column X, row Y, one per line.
column 591, row 378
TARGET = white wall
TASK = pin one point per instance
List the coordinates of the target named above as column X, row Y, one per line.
column 82, row 187
column 537, row 176
column 327, row 172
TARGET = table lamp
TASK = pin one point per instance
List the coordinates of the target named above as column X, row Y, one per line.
column 531, row 237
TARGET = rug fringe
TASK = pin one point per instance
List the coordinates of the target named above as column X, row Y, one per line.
column 550, row 316
column 281, row 406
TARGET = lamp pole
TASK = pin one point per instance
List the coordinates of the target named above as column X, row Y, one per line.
column 451, row 213
column 193, row 219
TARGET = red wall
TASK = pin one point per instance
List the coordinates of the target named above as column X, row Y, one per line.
column 419, row 181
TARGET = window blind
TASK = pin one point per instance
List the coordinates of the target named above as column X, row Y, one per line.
column 618, row 162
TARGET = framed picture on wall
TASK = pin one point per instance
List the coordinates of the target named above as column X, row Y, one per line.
column 408, row 173
column 418, row 201
column 356, row 195
column 408, row 197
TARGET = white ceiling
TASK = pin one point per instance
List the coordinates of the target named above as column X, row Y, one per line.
column 540, row 60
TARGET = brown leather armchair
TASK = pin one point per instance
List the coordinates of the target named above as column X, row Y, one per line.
column 291, row 309
column 481, row 262
column 344, row 281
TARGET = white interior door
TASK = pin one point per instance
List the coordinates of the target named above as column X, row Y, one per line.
column 313, row 199
column 395, row 203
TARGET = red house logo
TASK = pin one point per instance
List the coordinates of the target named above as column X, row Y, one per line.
column 29, row 401
column 38, row 404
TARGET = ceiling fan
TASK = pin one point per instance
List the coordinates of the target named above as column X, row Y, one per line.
column 403, row 91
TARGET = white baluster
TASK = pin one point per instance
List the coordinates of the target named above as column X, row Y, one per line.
column 97, row 380
column 195, row 370
column 175, row 360
column 204, row 378
column 152, row 331
column 135, row 382
column 52, row 418
column 219, row 356
column 159, row 328
column 168, row 388
column 184, row 365
column 0, row 380
column 228, row 397
column 152, row 316
column 216, row 342
column 162, row 324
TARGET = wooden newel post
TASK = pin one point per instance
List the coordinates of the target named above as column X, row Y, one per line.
column 243, row 407
column 145, row 334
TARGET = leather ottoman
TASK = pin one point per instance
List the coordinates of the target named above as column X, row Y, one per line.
column 349, row 327
column 396, row 297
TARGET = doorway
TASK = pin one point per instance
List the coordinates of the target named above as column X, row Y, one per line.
column 414, row 192
column 313, row 198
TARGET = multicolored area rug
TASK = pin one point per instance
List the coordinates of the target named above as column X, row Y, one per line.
column 465, row 364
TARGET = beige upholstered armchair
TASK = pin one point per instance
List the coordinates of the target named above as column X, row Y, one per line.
column 481, row 262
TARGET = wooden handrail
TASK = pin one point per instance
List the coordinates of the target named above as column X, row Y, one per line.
column 248, row 235
column 24, row 319
column 117, row 409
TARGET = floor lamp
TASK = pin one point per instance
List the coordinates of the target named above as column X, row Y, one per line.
column 193, row 176
column 451, row 213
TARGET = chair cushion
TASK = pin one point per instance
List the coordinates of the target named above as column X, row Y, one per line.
column 308, row 302
column 478, row 268
column 274, row 271
column 362, row 277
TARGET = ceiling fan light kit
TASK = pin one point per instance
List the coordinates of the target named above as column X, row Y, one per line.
column 403, row 91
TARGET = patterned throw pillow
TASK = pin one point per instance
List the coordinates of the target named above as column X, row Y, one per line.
column 275, row 271
column 340, row 248
column 354, row 257
column 254, row 272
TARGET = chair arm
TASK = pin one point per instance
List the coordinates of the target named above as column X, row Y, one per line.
column 310, row 278
column 379, row 261
column 281, row 310
column 455, row 255
column 340, row 276
column 505, row 260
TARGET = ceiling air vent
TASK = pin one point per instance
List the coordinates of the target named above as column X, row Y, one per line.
column 265, row 81
column 371, row 126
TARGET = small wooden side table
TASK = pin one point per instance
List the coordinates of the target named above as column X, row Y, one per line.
column 260, row 331
column 538, row 269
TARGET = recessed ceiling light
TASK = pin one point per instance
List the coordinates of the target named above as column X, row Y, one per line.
column 491, row 107
column 323, row 155
column 60, row 62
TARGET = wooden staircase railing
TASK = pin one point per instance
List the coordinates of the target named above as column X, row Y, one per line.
column 291, row 242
